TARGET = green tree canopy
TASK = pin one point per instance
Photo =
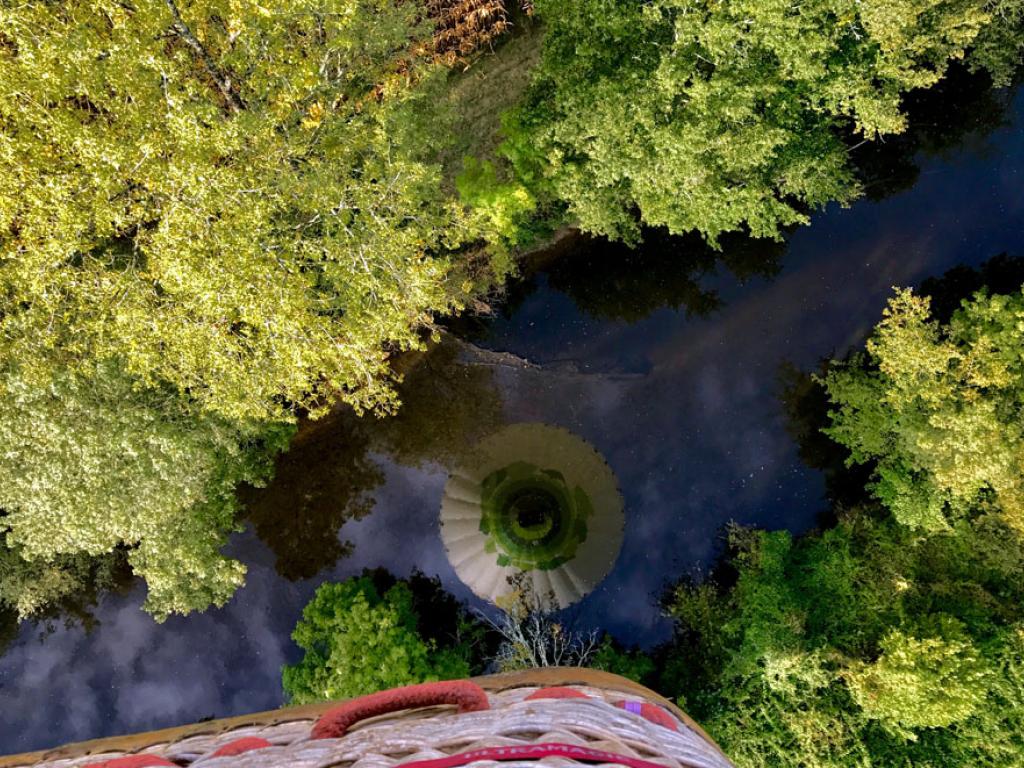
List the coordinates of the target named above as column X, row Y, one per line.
column 861, row 645
column 92, row 464
column 62, row 585
column 893, row 637
column 928, row 682
column 937, row 409
column 212, row 215
column 232, row 197
column 718, row 116
column 358, row 640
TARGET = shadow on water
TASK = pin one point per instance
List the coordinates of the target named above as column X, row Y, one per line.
column 956, row 114
column 8, row 629
column 298, row 515
column 1000, row 274
column 448, row 405
column 329, row 474
column 611, row 281
column 806, row 405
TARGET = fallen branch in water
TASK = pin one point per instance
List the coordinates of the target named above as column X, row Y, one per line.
column 489, row 357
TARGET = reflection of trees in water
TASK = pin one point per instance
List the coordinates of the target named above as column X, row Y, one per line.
column 328, row 476
column 69, row 589
column 1000, row 274
column 8, row 629
column 939, row 119
column 508, row 298
column 448, row 406
column 323, row 480
column 611, row 281
column 806, row 403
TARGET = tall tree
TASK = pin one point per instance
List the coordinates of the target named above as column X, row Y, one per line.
column 359, row 638
column 212, row 216
column 937, row 409
column 719, row 116
column 232, row 197
column 893, row 637
column 93, row 464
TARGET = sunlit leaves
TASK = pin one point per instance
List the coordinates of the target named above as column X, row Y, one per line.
column 922, row 682
column 861, row 645
column 886, row 639
column 358, row 641
column 91, row 464
column 941, row 415
column 212, row 215
column 721, row 116
column 258, row 258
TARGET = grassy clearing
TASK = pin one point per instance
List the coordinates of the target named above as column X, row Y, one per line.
column 491, row 84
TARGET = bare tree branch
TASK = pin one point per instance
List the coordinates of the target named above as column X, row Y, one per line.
column 530, row 637
column 222, row 81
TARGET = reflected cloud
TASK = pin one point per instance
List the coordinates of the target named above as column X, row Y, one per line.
column 133, row 674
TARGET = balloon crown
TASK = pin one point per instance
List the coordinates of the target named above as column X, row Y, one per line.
column 532, row 518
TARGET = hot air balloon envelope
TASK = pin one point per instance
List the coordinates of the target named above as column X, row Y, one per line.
column 534, row 506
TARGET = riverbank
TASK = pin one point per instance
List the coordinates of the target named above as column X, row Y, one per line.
column 404, row 363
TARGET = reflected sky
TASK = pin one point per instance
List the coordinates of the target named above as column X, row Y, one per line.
column 682, row 404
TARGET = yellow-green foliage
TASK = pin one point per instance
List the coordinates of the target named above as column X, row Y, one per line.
column 90, row 464
column 928, row 682
column 212, row 214
column 938, row 409
column 229, row 196
column 357, row 641
column 29, row 587
column 502, row 208
column 716, row 116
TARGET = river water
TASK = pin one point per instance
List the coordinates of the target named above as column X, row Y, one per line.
column 667, row 360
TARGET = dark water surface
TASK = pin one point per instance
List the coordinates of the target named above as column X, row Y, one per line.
column 667, row 361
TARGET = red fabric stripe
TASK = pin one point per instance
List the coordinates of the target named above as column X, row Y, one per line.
column 130, row 761
column 533, row 752
column 651, row 712
column 333, row 724
column 557, row 692
column 238, row 746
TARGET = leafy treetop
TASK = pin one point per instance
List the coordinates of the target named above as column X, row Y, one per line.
column 938, row 409
column 358, row 641
column 720, row 116
column 233, row 197
column 94, row 464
